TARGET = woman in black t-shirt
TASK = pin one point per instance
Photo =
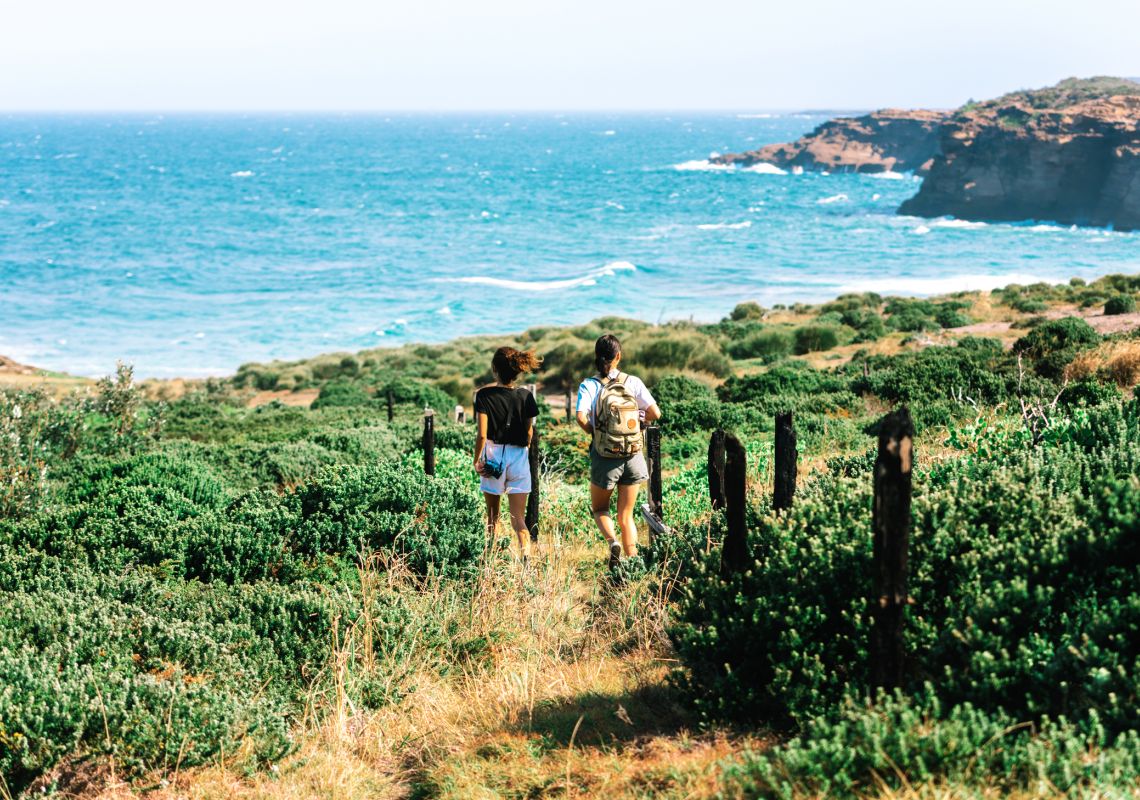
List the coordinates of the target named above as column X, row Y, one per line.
column 504, row 418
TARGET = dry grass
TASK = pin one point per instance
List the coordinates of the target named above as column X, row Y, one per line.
column 553, row 684
column 1118, row 361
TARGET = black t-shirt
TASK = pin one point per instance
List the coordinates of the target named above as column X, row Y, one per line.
column 508, row 411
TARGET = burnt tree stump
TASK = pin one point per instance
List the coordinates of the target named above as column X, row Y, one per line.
column 716, row 469
column 891, row 523
column 429, row 442
column 532, row 501
column 734, row 554
column 784, row 488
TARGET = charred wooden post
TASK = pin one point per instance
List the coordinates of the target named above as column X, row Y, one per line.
column 784, row 488
column 653, row 456
column 569, row 406
column 429, row 442
column 891, row 522
column 734, row 555
column 532, row 501
column 716, row 469
column 391, row 406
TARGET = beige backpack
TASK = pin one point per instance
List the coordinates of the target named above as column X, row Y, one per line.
column 617, row 421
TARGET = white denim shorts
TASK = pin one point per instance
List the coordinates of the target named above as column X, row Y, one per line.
column 516, row 469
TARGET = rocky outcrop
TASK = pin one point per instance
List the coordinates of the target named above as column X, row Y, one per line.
column 890, row 140
column 1023, row 157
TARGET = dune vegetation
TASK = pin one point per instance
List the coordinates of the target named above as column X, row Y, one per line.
column 212, row 590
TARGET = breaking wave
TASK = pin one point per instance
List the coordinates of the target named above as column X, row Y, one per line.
column 588, row 279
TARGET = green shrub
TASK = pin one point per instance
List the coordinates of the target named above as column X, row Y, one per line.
column 673, row 389
column 342, row 393
column 815, row 338
column 897, row 743
column 1053, row 344
column 748, row 310
column 436, row 523
column 1024, row 568
column 1120, row 304
column 769, row 345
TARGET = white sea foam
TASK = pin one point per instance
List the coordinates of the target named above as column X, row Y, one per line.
column 766, row 169
column 445, row 311
column 1046, row 228
column 921, row 229
column 963, row 224
column 701, row 165
column 835, row 198
column 724, row 226
column 887, row 176
column 242, row 173
column 609, row 133
column 944, row 285
column 587, row 279
column 875, row 197
column 756, row 116
column 797, row 170
column 613, row 204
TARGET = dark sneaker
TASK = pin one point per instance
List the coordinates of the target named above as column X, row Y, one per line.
column 615, row 556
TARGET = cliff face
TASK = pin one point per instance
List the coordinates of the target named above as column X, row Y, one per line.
column 1013, row 160
column 885, row 141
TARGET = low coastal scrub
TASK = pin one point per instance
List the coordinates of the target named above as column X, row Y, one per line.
column 201, row 579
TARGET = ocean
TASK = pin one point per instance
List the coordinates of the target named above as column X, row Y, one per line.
column 190, row 244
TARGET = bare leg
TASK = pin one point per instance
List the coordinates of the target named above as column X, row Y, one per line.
column 492, row 516
column 627, row 501
column 517, row 503
column 600, row 505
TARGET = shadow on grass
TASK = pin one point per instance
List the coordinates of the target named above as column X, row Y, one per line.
column 607, row 720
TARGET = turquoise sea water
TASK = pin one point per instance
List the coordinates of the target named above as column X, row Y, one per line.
column 191, row 244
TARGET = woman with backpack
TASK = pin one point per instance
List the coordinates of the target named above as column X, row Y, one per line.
column 504, row 420
column 611, row 408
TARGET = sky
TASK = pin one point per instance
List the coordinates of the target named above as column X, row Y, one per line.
column 251, row 55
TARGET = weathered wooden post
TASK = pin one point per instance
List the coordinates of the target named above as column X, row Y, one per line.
column 532, row 501
column 653, row 456
column 784, row 487
column 716, row 469
column 734, row 555
column 429, row 442
column 891, row 522
column 391, row 406
column 569, row 406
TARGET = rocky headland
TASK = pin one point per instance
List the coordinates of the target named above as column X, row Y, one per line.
column 890, row 140
column 1068, row 154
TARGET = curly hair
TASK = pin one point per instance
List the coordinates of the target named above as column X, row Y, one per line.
column 508, row 363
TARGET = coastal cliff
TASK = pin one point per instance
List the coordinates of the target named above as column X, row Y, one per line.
column 890, row 140
column 1061, row 154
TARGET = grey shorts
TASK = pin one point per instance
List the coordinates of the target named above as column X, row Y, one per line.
column 610, row 472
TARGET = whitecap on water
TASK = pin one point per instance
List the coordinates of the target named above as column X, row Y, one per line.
column 887, row 176
column 587, row 279
column 720, row 226
column 701, row 165
column 766, row 169
column 963, row 224
column 835, row 198
column 921, row 229
column 242, row 173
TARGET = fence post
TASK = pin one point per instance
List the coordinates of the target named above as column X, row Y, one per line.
column 429, row 442
column 891, row 522
column 653, row 456
column 532, row 501
column 391, row 406
column 734, row 555
column 784, row 488
column 716, row 469
column 569, row 407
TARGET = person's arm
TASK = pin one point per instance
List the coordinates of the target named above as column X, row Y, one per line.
column 653, row 413
column 583, row 417
column 650, row 411
column 480, row 439
column 530, row 430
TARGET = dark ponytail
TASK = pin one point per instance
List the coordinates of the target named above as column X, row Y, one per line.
column 606, row 351
column 508, row 363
